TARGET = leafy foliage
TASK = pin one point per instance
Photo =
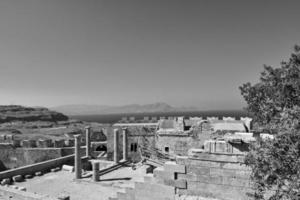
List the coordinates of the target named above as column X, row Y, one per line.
column 278, row 90
column 275, row 105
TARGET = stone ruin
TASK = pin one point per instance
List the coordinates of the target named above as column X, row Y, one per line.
column 215, row 169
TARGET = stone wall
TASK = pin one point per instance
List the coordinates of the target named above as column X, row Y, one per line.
column 16, row 157
column 37, row 167
column 176, row 144
column 12, row 157
column 220, row 176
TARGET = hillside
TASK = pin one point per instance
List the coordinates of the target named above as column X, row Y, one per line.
column 133, row 108
column 20, row 113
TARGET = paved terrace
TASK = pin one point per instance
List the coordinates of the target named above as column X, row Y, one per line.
column 63, row 183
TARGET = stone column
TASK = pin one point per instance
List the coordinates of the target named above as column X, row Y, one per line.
column 88, row 141
column 125, row 143
column 96, row 171
column 116, row 145
column 77, row 162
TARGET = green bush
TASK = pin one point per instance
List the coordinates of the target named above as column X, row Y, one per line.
column 275, row 104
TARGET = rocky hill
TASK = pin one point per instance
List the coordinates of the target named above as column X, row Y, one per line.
column 20, row 113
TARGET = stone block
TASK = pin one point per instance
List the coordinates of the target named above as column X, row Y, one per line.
column 68, row 168
column 173, row 167
column 201, row 178
column 236, row 182
column 219, row 157
column 55, row 169
column 224, row 192
column 192, row 169
column 162, row 174
column 230, row 173
column 38, row 173
column 6, row 181
column 182, row 160
column 14, row 187
column 237, row 166
column 22, row 189
column 176, row 183
column 18, row 178
column 28, row 176
column 204, row 163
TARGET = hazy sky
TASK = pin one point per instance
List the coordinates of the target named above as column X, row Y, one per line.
column 192, row 53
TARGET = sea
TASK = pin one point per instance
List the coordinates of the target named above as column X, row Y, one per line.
column 114, row 118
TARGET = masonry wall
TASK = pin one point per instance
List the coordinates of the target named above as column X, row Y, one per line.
column 11, row 157
column 220, row 176
column 177, row 144
column 16, row 157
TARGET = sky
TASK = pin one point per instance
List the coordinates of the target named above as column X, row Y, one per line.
column 108, row 52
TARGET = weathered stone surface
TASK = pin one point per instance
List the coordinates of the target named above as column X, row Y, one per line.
column 17, row 178
column 28, row 176
column 68, row 168
column 173, row 167
column 22, row 189
column 162, row 174
column 176, row 183
column 6, row 181
column 224, row 192
column 55, row 169
column 219, row 157
column 39, row 173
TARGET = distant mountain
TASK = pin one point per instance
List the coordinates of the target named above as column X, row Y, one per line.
column 133, row 108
